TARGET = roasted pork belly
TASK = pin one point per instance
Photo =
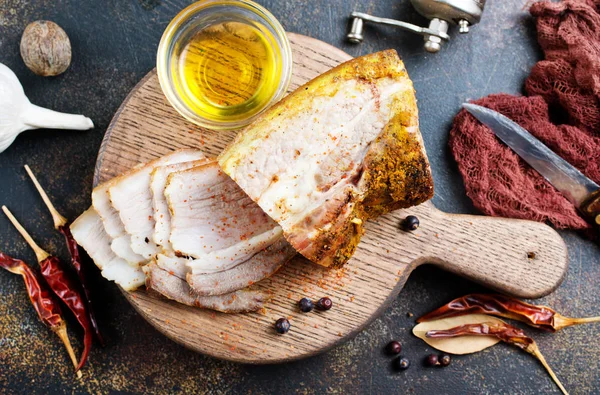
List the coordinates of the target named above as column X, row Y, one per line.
column 176, row 289
column 88, row 230
column 256, row 268
column 162, row 217
column 219, row 233
column 211, row 217
column 173, row 264
column 120, row 240
column 228, row 242
column 339, row 150
column 167, row 260
column 131, row 196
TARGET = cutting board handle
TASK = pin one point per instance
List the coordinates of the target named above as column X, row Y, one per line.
column 522, row 258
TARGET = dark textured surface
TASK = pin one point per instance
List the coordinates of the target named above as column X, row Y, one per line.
column 114, row 44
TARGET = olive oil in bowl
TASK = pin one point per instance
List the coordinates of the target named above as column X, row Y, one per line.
column 228, row 72
column 221, row 63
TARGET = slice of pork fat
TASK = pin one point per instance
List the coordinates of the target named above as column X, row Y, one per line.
column 162, row 217
column 236, row 263
column 341, row 149
column 130, row 195
column 260, row 266
column 120, row 242
column 256, row 268
column 88, row 231
column 231, row 242
column 176, row 289
column 214, row 220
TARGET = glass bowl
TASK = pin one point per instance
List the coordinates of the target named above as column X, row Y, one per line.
column 194, row 20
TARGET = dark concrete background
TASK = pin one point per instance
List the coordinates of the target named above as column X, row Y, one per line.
column 114, row 44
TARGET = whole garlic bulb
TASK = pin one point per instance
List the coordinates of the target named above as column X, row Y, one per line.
column 18, row 114
column 45, row 48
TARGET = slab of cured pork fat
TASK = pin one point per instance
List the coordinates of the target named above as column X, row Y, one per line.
column 88, row 230
column 199, row 195
column 132, row 191
column 339, row 150
column 131, row 197
column 229, row 241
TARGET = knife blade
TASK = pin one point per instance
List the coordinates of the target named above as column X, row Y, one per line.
column 576, row 187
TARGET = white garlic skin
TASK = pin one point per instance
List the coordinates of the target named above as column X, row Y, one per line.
column 18, row 114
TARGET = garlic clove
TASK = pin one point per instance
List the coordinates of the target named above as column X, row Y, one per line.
column 18, row 114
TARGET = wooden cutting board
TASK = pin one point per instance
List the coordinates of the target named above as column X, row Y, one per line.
column 521, row 258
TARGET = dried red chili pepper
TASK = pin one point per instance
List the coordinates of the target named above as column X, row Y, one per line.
column 76, row 262
column 60, row 223
column 42, row 300
column 503, row 306
column 505, row 332
column 62, row 285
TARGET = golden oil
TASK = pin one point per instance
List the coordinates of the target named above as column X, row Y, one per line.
column 228, row 71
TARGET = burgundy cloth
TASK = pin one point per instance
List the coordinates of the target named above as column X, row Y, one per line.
column 565, row 85
column 569, row 78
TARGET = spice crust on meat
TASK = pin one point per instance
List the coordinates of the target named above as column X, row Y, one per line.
column 339, row 150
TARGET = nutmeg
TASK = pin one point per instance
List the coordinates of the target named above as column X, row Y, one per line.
column 45, row 48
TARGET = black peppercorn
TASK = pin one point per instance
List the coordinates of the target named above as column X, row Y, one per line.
column 324, row 304
column 401, row 363
column 432, row 360
column 445, row 359
column 410, row 223
column 306, row 305
column 393, row 348
column 282, row 326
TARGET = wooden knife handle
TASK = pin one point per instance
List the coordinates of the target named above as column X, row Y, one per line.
column 591, row 210
column 522, row 258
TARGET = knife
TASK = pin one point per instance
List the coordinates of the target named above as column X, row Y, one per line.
column 577, row 188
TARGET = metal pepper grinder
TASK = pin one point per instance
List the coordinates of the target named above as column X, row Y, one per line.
column 442, row 13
